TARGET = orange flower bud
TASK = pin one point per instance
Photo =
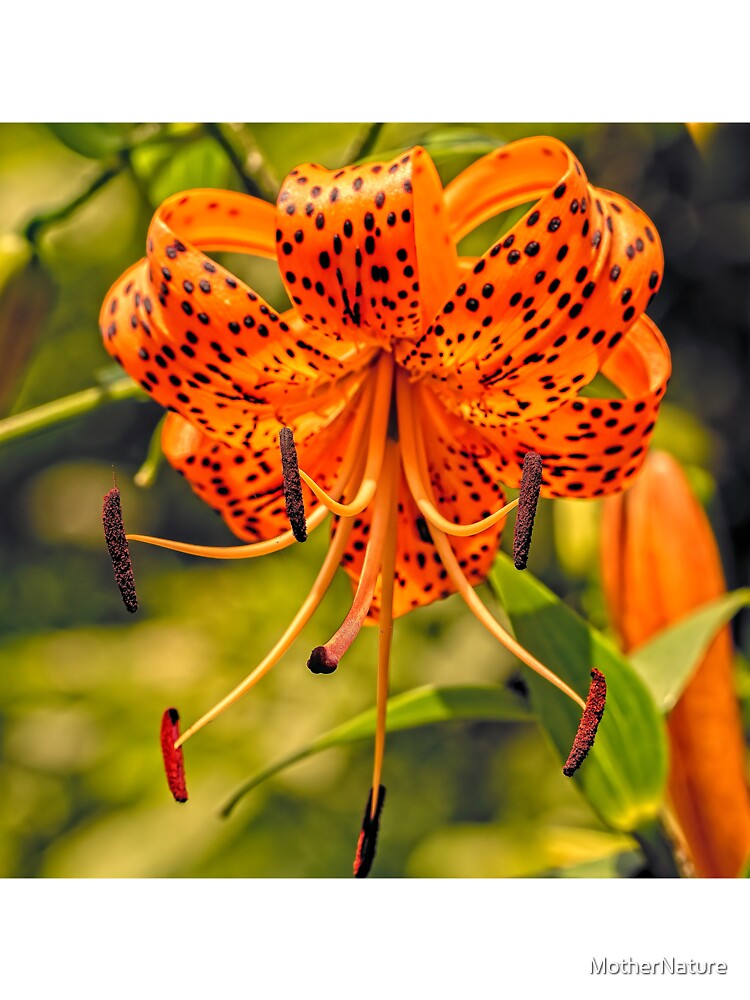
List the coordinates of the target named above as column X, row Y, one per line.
column 660, row 562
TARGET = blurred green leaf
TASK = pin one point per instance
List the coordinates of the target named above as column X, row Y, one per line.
column 27, row 294
column 666, row 662
column 447, row 143
column 624, row 775
column 199, row 164
column 518, row 850
column 410, row 710
column 94, row 140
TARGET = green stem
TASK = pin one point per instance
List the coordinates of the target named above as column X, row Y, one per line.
column 658, row 850
column 56, row 215
column 60, row 410
column 145, row 477
column 364, row 146
column 251, row 187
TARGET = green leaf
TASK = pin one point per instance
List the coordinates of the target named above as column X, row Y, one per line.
column 95, row 140
column 410, row 710
column 623, row 777
column 200, row 164
column 667, row 662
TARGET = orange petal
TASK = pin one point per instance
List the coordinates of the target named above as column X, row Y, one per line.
column 247, row 488
column 519, row 172
column 591, row 447
column 198, row 339
column 659, row 562
column 365, row 251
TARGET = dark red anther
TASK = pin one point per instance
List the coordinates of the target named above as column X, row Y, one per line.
column 295, row 503
column 322, row 661
column 368, row 838
column 174, row 763
column 119, row 553
column 528, row 498
column 592, row 716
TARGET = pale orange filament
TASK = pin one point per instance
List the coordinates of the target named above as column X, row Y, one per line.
column 283, row 541
column 311, row 602
column 465, row 589
column 417, row 472
column 385, row 500
column 375, row 451
column 385, row 634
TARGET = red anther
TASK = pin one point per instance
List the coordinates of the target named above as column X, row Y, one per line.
column 174, row 763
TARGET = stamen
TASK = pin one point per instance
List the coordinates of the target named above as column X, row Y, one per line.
column 368, row 837
column 325, row 659
column 295, row 503
column 592, row 716
column 174, row 763
column 465, row 589
column 311, row 602
column 528, row 498
column 418, row 476
column 119, row 553
column 375, row 448
column 283, row 541
column 385, row 635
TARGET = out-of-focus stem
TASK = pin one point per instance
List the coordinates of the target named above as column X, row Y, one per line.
column 60, row 410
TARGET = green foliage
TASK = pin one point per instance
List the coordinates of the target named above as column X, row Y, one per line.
column 667, row 662
column 624, row 775
column 410, row 710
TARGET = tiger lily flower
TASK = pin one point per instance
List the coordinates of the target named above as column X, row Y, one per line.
column 415, row 381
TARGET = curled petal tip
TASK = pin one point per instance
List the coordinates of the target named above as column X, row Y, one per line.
column 528, row 498
column 295, row 503
column 368, row 837
column 174, row 763
column 592, row 716
column 119, row 552
column 322, row 661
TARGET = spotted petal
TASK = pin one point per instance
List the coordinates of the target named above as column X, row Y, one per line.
column 365, row 252
column 592, row 447
column 202, row 342
column 246, row 488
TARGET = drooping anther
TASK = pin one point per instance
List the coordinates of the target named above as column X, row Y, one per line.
column 119, row 553
column 322, row 661
column 368, row 837
column 528, row 497
column 295, row 504
column 174, row 762
column 592, row 716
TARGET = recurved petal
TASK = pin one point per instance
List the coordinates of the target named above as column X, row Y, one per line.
column 592, row 447
column 365, row 251
column 542, row 309
column 197, row 338
column 246, row 488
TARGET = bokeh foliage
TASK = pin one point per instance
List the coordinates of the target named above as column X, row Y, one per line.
column 82, row 686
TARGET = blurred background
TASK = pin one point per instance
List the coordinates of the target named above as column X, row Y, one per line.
column 83, row 685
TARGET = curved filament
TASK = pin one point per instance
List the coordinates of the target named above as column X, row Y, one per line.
column 313, row 599
column 465, row 589
column 324, row 659
column 376, row 447
column 287, row 538
column 417, row 472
